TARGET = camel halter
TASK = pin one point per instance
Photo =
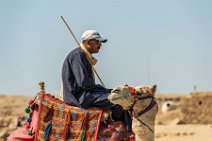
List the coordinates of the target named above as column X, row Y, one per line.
column 136, row 98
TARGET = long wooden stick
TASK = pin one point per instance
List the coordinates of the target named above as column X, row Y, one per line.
column 80, row 46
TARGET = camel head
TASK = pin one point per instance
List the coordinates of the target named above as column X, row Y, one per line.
column 141, row 104
column 125, row 95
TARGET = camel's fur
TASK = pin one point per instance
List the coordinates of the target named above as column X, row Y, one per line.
column 122, row 96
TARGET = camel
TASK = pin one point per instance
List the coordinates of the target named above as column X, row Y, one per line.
column 142, row 105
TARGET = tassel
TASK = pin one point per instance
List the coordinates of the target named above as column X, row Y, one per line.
column 27, row 126
column 28, row 119
column 83, row 128
column 49, row 114
column 30, row 132
column 66, row 132
column 27, row 110
column 34, row 106
column 67, row 121
column 47, row 130
column 81, row 135
column 31, row 101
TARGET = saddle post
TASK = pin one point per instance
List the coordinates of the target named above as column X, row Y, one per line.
column 42, row 87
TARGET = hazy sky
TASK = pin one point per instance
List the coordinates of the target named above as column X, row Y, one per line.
column 163, row 42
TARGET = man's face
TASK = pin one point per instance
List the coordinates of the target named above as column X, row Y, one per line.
column 94, row 45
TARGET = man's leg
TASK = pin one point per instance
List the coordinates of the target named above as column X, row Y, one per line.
column 117, row 111
column 119, row 114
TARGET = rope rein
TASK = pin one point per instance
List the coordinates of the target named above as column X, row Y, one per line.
column 136, row 98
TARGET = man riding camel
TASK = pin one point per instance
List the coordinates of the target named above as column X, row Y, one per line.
column 78, row 82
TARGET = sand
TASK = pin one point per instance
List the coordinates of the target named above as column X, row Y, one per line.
column 187, row 132
column 190, row 120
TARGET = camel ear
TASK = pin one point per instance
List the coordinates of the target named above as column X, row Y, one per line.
column 154, row 88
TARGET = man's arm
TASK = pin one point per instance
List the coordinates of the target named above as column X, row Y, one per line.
column 82, row 71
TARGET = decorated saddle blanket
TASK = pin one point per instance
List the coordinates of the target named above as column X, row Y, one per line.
column 50, row 119
column 58, row 121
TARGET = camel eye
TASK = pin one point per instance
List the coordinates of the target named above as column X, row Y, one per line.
column 115, row 91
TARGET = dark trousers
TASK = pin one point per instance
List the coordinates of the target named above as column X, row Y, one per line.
column 118, row 113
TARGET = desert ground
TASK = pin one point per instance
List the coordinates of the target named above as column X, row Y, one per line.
column 180, row 118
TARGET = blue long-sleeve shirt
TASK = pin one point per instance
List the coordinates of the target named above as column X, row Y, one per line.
column 79, row 88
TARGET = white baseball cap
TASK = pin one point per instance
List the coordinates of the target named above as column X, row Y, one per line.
column 93, row 34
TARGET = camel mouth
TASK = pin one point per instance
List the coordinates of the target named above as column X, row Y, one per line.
column 112, row 98
column 116, row 96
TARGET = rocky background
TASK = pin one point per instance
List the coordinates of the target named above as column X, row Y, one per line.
column 12, row 113
column 194, row 108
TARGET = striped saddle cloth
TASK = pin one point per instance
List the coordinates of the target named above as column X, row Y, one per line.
column 51, row 119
